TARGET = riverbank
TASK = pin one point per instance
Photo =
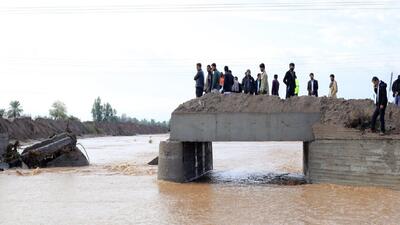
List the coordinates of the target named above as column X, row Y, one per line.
column 27, row 129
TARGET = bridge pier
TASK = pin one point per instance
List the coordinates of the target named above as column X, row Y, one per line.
column 184, row 161
column 372, row 162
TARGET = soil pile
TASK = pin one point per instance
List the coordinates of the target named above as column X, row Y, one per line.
column 26, row 128
column 339, row 112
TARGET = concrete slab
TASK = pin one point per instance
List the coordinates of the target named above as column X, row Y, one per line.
column 205, row 127
column 3, row 144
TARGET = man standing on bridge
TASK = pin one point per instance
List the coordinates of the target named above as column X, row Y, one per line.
column 199, row 78
column 228, row 80
column 215, row 79
column 381, row 102
column 396, row 91
column 290, row 81
column 312, row 86
column 333, row 88
column 264, row 88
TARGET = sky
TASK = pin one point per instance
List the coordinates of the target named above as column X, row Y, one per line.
column 140, row 56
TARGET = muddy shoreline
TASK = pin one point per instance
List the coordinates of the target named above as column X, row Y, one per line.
column 25, row 129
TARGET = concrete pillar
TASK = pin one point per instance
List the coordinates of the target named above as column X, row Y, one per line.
column 3, row 144
column 306, row 152
column 355, row 162
column 184, row 161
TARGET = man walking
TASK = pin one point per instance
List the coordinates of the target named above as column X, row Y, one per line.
column 264, row 88
column 228, row 81
column 215, row 79
column 312, row 86
column 275, row 86
column 396, row 91
column 381, row 102
column 199, row 78
column 290, row 81
column 333, row 88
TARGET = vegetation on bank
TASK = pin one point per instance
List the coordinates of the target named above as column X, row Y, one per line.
column 101, row 112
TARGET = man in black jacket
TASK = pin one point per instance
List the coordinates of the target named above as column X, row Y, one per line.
column 248, row 83
column 381, row 102
column 396, row 91
column 228, row 80
column 290, row 81
column 199, row 78
column 312, row 86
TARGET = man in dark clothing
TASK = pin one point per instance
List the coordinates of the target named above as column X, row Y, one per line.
column 312, row 86
column 290, row 81
column 248, row 83
column 275, row 86
column 199, row 78
column 381, row 102
column 396, row 91
column 215, row 79
column 228, row 80
column 207, row 88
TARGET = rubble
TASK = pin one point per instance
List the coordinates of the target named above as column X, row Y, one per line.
column 57, row 151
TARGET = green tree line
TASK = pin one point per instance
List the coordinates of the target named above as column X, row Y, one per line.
column 100, row 112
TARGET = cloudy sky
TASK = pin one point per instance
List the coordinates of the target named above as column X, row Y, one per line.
column 140, row 55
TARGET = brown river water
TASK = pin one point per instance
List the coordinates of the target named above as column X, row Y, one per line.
column 119, row 188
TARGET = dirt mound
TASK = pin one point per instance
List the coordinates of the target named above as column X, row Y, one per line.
column 347, row 113
column 26, row 128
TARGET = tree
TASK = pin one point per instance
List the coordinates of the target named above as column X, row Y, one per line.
column 2, row 113
column 58, row 111
column 15, row 109
column 97, row 110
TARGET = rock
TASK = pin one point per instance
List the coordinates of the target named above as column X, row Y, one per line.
column 70, row 159
column 153, row 162
column 4, row 166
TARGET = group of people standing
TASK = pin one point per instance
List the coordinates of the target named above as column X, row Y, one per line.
column 225, row 82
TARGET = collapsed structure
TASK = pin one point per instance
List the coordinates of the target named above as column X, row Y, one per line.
column 57, row 151
column 338, row 148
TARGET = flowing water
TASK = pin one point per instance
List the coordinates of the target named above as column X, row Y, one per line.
column 119, row 188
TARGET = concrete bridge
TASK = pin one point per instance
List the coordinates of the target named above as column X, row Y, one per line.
column 330, row 154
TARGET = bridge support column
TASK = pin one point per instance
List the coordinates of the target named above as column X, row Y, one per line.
column 306, row 161
column 184, row 161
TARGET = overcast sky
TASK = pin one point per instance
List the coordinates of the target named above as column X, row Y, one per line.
column 140, row 55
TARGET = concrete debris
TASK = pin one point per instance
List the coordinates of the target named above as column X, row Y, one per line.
column 57, row 151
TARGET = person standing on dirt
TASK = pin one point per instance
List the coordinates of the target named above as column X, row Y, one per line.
column 207, row 88
column 381, row 102
column 248, row 83
column 275, row 86
column 215, row 79
column 257, row 90
column 264, row 88
column 290, row 81
column 199, row 78
column 236, row 85
column 396, row 91
column 333, row 88
column 312, row 86
column 228, row 81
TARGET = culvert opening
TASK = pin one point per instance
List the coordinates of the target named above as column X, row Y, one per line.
column 257, row 163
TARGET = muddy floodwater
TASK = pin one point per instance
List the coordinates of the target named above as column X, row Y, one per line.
column 119, row 188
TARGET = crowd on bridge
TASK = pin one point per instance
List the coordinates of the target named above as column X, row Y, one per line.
column 225, row 83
